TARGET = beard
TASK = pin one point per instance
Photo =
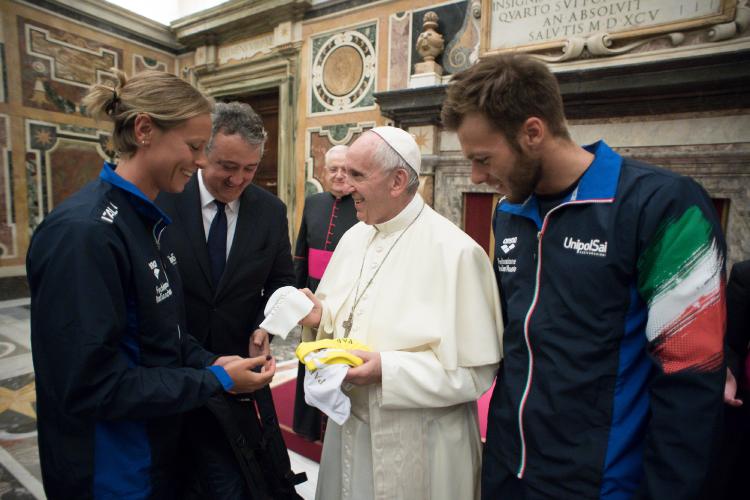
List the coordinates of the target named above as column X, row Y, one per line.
column 523, row 179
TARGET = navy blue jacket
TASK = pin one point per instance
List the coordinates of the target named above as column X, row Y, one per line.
column 114, row 365
column 612, row 379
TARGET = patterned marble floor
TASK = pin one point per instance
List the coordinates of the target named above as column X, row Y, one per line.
column 20, row 475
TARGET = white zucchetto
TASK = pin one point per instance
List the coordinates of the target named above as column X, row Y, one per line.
column 403, row 143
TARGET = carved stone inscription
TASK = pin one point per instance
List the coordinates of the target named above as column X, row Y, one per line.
column 515, row 23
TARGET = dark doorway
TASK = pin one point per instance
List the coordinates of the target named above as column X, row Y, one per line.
column 478, row 210
column 266, row 104
column 722, row 209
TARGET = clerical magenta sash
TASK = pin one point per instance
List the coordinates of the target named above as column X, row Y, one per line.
column 317, row 261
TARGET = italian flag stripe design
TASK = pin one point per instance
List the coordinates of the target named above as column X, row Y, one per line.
column 680, row 277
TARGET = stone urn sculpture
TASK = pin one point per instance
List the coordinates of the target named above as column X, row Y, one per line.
column 430, row 45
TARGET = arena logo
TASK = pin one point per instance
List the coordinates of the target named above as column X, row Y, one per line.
column 509, row 244
column 592, row 247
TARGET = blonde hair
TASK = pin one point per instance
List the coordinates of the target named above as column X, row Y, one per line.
column 167, row 99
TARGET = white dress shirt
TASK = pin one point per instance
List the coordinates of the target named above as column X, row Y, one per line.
column 208, row 209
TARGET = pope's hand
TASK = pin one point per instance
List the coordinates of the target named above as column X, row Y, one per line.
column 312, row 320
column 245, row 379
column 370, row 372
column 259, row 345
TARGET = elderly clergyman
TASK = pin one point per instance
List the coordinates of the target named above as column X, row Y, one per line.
column 421, row 294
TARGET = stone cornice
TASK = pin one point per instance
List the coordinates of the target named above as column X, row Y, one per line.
column 407, row 107
column 235, row 19
column 114, row 19
column 688, row 85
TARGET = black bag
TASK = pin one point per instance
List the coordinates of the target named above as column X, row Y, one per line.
column 249, row 421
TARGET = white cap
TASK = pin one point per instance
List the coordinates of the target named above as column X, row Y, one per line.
column 403, row 143
column 284, row 309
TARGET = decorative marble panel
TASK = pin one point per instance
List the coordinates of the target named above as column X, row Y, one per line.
column 319, row 141
column 8, row 241
column 344, row 70
column 425, row 138
column 60, row 159
column 399, row 37
column 463, row 50
column 142, row 63
column 58, row 67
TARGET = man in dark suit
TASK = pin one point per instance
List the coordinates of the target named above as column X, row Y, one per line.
column 233, row 252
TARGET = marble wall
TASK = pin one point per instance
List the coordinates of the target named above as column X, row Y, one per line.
column 60, row 159
column 49, row 147
column 58, row 66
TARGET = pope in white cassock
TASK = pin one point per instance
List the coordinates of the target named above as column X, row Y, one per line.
column 421, row 293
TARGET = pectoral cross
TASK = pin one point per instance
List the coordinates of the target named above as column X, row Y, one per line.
column 348, row 324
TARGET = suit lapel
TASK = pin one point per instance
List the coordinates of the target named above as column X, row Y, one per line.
column 189, row 207
column 245, row 228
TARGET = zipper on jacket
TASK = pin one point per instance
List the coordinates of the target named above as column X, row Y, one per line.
column 527, row 388
column 157, row 237
column 157, row 240
column 522, row 465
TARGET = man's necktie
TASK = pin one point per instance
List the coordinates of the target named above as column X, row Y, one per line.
column 217, row 242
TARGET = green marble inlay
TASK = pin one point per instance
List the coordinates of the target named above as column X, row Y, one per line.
column 311, row 188
column 316, row 106
column 77, row 129
column 338, row 132
column 317, row 43
column 370, row 32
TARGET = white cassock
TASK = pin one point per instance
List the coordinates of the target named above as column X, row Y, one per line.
column 433, row 313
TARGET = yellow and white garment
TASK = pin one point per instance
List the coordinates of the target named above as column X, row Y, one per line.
column 326, row 363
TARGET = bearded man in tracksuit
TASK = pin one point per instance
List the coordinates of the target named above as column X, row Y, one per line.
column 611, row 274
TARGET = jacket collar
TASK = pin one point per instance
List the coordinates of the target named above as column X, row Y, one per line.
column 598, row 184
column 141, row 202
